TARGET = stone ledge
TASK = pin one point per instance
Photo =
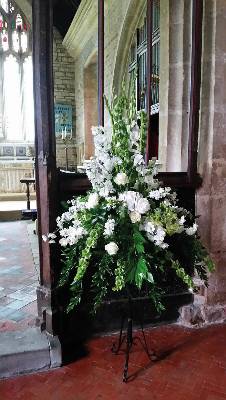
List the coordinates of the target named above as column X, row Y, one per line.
column 200, row 314
column 27, row 351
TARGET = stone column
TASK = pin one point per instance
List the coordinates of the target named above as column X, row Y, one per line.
column 175, row 65
column 210, row 304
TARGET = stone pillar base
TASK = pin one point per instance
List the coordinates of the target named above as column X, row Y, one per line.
column 199, row 313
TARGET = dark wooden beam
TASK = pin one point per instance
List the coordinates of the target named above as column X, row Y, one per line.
column 150, row 144
column 45, row 147
column 196, row 57
column 101, row 62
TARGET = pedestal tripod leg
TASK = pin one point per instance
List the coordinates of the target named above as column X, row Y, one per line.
column 129, row 342
column 115, row 349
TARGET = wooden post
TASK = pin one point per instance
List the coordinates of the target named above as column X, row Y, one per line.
column 100, row 62
column 45, row 148
column 196, row 57
column 149, row 146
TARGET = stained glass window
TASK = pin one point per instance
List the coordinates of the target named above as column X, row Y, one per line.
column 138, row 67
column 138, row 60
column 4, row 4
column 16, row 81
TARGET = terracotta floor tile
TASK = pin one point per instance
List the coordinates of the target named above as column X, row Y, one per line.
column 193, row 367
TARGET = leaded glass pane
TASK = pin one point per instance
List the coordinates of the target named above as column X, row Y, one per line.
column 12, row 99
column 28, row 99
column 19, row 22
column 24, row 42
column 4, row 40
column 1, row 22
column 11, row 7
column 16, row 41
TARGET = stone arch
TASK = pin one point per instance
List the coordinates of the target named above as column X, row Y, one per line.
column 90, row 102
column 126, row 35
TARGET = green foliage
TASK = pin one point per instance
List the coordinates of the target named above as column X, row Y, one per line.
column 167, row 218
column 86, row 254
column 119, row 276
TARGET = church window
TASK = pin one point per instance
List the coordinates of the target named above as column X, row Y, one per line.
column 16, row 80
column 138, row 67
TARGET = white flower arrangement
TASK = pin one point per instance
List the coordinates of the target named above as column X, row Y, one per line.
column 128, row 226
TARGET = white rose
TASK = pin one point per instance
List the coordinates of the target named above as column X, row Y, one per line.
column 111, row 248
column 135, row 217
column 142, row 206
column 93, row 200
column 191, row 231
column 149, row 227
column 121, row 179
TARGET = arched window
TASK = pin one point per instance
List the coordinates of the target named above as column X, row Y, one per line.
column 16, row 81
column 138, row 66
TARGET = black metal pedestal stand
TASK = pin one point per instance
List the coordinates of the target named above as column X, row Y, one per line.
column 130, row 340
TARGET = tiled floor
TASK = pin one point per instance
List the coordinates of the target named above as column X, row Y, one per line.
column 192, row 366
column 18, row 275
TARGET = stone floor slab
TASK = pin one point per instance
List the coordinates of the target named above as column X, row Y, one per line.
column 19, row 274
column 23, row 352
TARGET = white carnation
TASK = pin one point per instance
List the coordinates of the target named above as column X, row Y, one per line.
column 51, row 236
column 93, row 200
column 111, row 248
column 121, row 179
column 138, row 160
column 191, row 231
column 135, row 216
column 182, row 220
column 63, row 242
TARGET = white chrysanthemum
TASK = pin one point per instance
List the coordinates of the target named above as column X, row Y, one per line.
column 93, row 200
column 135, row 217
column 121, row 179
column 72, row 234
column 109, row 227
column 111, row 248
column 192, row 230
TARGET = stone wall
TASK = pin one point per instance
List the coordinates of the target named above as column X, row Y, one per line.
column 210, row 306
column 64, row 93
